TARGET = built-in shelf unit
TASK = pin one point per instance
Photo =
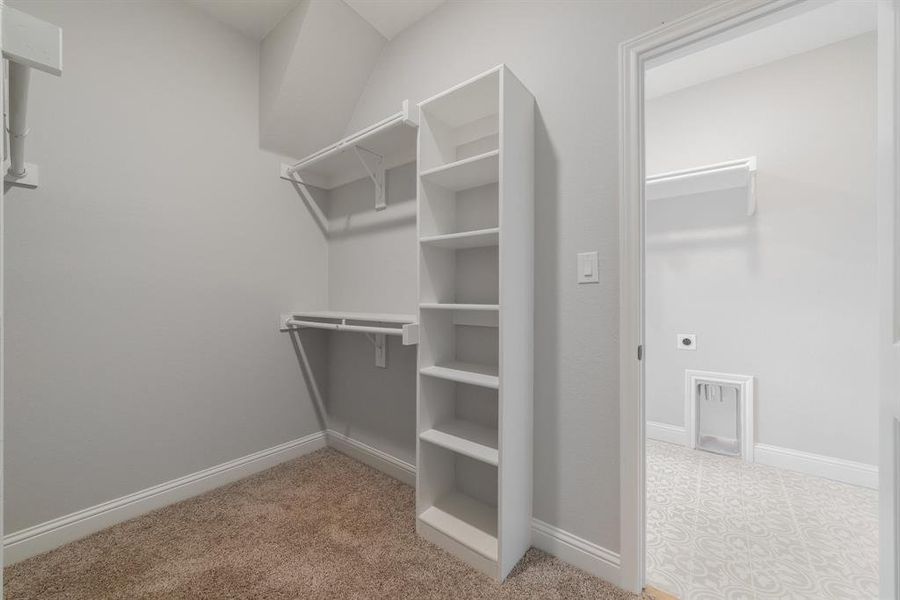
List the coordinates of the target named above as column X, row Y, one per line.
column 369, row 152
column 732, row 174
column 476, row 289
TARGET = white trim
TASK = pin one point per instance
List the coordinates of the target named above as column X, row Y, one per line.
column 746, row 382
column 375, row 458
column 567, row 547
column 51, row 534
column 664, row 432
column 576, row 551
column 680, row 35
column 838, row 469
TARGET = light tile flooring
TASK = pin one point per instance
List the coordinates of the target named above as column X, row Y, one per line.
column 719, row 528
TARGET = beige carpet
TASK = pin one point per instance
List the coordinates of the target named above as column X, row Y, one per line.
column 322, row 526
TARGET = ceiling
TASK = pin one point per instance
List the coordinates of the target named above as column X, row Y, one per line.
column 256, row 18
column 253, row 18
column 390, row 17
column 808, row 30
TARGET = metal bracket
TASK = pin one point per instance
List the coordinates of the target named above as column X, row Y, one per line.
column 376, row 174
column 379, row 341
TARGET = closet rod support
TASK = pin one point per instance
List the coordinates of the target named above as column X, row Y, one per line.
column 376, row 174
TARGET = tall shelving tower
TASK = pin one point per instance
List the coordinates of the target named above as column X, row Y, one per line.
column 476, row 294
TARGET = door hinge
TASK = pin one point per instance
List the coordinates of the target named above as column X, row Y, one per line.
column 641, row 352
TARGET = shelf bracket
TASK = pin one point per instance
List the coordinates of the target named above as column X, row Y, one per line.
column 376, row 174
column 379, row 341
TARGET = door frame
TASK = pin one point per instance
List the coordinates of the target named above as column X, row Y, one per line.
column 670, row 40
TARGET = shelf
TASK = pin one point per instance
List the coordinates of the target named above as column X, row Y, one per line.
column 372, row 323
column 358, row 316
column 465, row 174
column 470, row 373
column 367, row 153
column 466, row 438
column 468, row 521
column 479, row 238
column 451, row 306
column 709, row 178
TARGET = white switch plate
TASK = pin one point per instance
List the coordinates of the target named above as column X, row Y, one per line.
column 686, row 341
column 588, row 268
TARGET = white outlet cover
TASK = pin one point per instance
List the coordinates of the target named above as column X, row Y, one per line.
column 686, row 341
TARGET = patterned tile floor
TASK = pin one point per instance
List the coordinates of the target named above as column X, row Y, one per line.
column 719, row 528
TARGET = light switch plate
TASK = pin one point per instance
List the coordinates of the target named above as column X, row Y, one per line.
column 588, row 268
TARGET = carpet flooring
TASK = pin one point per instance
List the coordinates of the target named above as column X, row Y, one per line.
column 320, row 527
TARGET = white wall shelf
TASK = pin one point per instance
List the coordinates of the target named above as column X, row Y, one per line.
column 727, row 175
column 478, row 238
column 467, row 173
column 452, row 306
column 463, row 372
column 466, row 438
column 376, row 326
column 476, row 301
column 472, row 523
column 367, row 153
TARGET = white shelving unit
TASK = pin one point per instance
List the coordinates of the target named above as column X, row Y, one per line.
column 367, row 153
column 476, row 289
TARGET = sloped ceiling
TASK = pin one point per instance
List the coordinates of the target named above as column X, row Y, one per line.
column 316, row 57
column 313, row 67
column 390, row 17
column 253, row 18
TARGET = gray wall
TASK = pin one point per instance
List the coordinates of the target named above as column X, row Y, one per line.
column 144, row 278
column 372, row 268
column 787, row 295
column 566, row 54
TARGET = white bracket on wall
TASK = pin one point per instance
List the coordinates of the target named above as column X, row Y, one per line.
column 382, row 146
column 376, row 174
column 28, row 43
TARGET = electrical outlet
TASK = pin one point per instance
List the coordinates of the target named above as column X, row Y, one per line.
column 686, row 341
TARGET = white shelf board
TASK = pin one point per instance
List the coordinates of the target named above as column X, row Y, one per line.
column 464, row 239
column 731, row 174
column 452, row 306
column 357, row 316
column 468, row 521
column 467, row 173
column 466, row 438
column 393, row 138
column 470, row 373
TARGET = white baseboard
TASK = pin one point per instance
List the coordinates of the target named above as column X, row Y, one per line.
column 664, row 432
column 576, row 551
column 818, row 465
column 567, row 547
column 49, row 535
column 375, row 458
column 46, row 536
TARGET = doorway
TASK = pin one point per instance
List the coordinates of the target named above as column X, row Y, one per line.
column 757, row 263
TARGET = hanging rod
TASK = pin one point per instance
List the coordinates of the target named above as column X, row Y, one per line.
column 299, row 323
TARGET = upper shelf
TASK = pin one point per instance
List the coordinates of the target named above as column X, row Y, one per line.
column 392, row 140
column 710, row 178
